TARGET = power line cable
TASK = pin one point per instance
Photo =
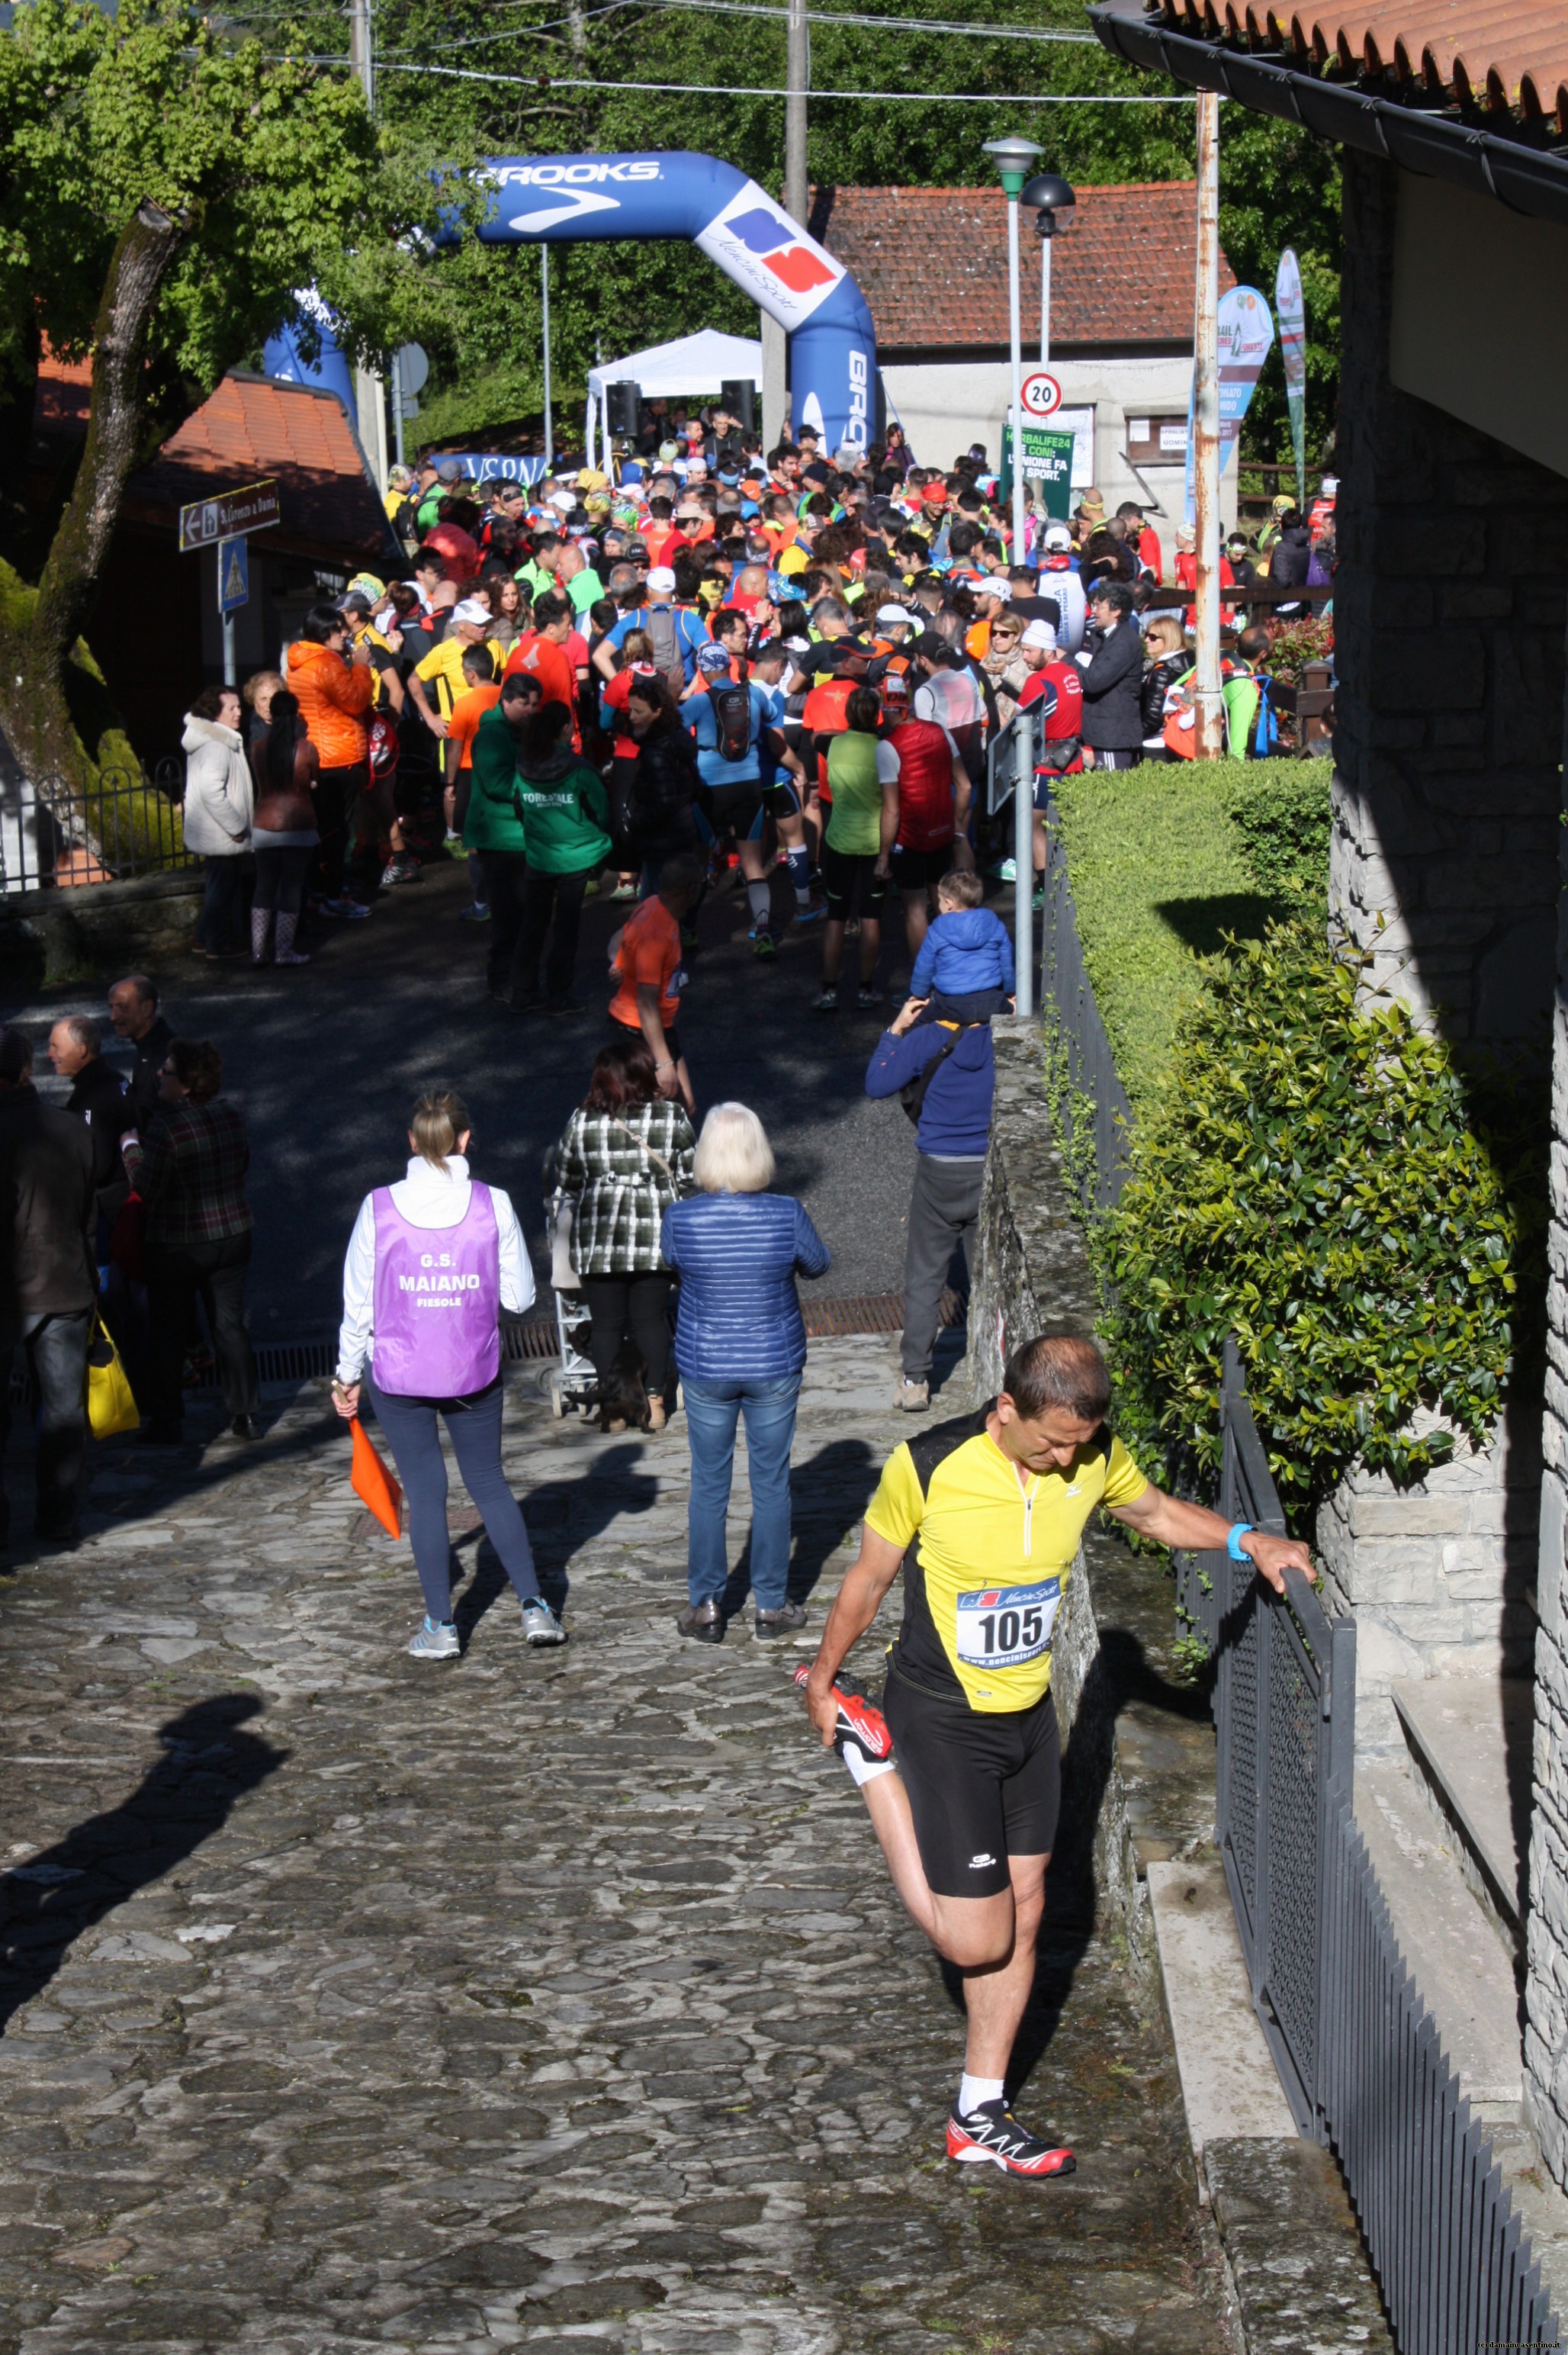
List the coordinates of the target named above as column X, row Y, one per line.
column 765, row 8
column 546, row 82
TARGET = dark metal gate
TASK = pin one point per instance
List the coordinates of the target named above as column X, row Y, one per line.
column 1357, row 2053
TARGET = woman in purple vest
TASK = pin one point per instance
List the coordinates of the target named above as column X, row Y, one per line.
column 431, row 1263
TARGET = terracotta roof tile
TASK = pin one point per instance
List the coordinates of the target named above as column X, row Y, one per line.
column 252, row 426
column 932, row 264
column 1507, row 55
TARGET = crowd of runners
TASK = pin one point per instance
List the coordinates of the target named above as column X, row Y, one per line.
column 785, row 673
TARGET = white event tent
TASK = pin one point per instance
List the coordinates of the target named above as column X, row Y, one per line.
column 680, row 370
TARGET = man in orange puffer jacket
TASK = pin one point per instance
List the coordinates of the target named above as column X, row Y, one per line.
column 335, row 687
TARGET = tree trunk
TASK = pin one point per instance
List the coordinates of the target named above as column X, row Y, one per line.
column 32, row 683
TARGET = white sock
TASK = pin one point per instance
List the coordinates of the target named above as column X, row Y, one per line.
column 974, row 2091
column 863, row 1770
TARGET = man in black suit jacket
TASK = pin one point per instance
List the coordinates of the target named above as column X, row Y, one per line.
column 49, row 1286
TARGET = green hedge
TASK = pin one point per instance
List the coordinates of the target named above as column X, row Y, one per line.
column 1329, row 1184
column 1163, row 869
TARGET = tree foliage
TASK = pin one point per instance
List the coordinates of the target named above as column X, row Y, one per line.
column 1329, row 1183
column 1278, row 187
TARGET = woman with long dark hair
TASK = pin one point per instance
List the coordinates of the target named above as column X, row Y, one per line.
column 624, row 1156
column 663, row 791
column 283, row 831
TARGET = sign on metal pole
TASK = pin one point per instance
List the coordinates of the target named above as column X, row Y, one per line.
column 1048, row 461
column 233, row 575
column 229, row 513
column 1041, row 395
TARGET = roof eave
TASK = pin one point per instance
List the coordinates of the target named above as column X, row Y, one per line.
column 1521, row 178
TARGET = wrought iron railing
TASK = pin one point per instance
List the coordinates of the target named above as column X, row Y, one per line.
column 123, row 824
column 1358, row 2054
column 1094, row 1095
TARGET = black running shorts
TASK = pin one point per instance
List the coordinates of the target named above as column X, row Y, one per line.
column 847, row 875
column 982, row 1788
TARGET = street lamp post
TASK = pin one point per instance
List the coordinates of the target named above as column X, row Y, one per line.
column 1049, row 195
column 1013, row 160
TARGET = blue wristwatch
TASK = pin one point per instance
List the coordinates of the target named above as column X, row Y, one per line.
column 1239, row 1529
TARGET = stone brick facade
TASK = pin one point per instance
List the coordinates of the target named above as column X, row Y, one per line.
column 1450, row 602
column 1450, row 607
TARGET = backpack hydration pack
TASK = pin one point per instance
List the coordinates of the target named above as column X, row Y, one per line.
column 659, row 624
column 732, row 718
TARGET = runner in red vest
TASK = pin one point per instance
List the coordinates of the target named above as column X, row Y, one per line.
column 934, row 790
column 1058, row 686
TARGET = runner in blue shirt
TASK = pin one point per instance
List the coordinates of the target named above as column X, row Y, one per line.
column 728, row 719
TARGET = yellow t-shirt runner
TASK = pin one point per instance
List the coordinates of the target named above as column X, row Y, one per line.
column 987, row 1550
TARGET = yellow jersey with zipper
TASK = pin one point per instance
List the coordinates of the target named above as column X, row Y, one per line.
column 988, row 1550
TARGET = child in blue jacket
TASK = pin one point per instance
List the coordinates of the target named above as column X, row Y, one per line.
column 967, row 951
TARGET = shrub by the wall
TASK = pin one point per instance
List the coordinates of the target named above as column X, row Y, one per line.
column 1330, row 1185
column 1281, row 811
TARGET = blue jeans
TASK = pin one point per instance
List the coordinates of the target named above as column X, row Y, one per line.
column 57, row 1349
column 413, row 1433
column 712, row 1409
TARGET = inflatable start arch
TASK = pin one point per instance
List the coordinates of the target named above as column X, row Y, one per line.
column 562, row 200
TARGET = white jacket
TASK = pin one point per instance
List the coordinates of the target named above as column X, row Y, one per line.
column 219, row 794
column 427, row 1196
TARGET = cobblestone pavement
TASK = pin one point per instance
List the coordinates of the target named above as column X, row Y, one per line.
column 554, row 2001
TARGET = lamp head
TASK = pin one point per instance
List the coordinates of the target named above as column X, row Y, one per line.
column 1050, row 192
column 1014, row 158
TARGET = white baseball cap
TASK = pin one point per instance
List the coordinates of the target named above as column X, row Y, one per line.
column 1058, row 536
column 990, row 585
column 1039, row 633
column 661, row 580
column 471, row 609
column 891, row 616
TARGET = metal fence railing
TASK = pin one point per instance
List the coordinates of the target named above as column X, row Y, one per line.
column 1095, row 1093
column 123, row 824
column 1358, row 2054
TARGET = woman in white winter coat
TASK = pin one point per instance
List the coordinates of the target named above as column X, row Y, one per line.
column 219, row 799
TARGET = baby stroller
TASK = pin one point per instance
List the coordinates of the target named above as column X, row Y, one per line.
column 572, row 1382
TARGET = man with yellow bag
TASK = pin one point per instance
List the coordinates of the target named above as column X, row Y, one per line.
column 48, row 1286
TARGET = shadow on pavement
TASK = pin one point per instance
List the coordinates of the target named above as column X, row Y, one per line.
column 209, row 1764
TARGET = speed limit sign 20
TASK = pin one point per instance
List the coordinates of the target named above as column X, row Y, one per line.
column 1040, row 394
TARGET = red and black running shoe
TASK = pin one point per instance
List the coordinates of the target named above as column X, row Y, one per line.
column 860, row 1719
column 991, row 2131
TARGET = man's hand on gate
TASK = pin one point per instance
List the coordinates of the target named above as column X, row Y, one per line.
column 1273, row 1556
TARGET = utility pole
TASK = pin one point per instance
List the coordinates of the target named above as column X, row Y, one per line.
column 797, row 199
column 797, row 83
column 370, row 397
column 1208, row 707
column 544, row 316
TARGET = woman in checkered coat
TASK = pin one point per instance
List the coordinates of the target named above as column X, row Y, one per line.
column 625, row 1157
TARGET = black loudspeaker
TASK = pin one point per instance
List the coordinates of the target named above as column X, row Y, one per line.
column 623, row 407
column 738, row 399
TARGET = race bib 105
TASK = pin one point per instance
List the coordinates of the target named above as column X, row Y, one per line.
column 1005, row 1626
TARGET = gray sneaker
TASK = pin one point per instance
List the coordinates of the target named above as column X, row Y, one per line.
column 434, row 1643
column 785, row 1621
column 912, row 1396
column 540, row 1624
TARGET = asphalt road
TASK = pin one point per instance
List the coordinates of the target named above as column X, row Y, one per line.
column 326, row 1059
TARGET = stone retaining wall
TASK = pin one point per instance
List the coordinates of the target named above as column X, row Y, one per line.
column 1030, row 1276
column 87, row 930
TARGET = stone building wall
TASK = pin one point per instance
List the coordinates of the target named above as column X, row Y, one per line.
column 1451, row 603
column 1546, row 1990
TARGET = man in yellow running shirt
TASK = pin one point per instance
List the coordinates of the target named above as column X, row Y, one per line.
column 960, row 1768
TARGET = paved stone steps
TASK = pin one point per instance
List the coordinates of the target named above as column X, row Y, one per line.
column 549, row 2001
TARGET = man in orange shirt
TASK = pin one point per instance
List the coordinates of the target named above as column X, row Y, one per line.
column 542, row 653
column 649, row 976
column 481, row 693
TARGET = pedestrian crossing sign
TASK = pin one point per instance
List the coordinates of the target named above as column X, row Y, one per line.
column 233, row 576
